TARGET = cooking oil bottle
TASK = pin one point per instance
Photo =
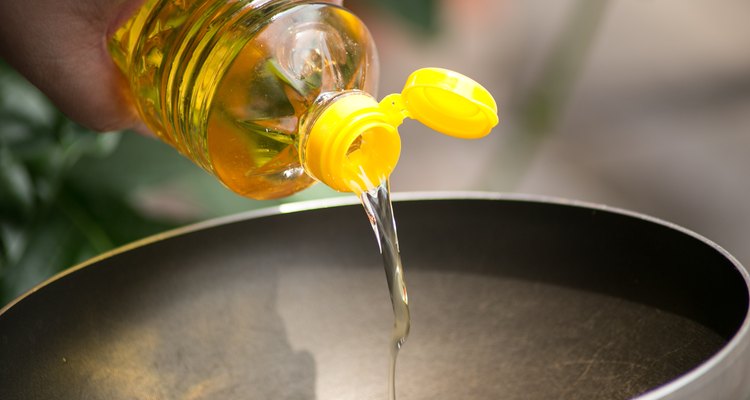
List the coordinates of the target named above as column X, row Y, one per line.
column 271, row 95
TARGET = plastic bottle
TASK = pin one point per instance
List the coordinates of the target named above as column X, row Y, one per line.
column 271, row 95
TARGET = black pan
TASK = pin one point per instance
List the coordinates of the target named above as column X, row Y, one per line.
column 511, row 299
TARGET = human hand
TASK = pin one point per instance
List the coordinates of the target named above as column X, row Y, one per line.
column 61, row 47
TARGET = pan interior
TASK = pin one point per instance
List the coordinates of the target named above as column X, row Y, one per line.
column 510, row 299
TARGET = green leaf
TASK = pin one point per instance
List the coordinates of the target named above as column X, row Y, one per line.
column 26, row 101
column 16, row 188
column 50, row 244
column 13, row 243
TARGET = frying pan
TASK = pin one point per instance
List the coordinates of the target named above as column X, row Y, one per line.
column 511, row 298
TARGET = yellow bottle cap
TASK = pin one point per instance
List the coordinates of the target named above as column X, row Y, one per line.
column 353, row 145
column 450, row 103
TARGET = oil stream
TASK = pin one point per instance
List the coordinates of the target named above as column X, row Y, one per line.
column 377, row 204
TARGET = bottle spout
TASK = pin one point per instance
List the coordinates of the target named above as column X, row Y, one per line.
column 353, row 144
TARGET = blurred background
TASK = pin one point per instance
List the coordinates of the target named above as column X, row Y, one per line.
column 643, row 105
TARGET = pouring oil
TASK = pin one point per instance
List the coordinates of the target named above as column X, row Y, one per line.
column 377, row 204
column 226, row 82
column 271, row 95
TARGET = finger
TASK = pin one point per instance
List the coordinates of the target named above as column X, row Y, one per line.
column 60, row 46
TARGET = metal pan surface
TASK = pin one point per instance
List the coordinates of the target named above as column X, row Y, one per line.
column 511, row 298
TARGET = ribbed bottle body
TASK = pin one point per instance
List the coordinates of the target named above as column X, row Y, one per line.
column 228, row 82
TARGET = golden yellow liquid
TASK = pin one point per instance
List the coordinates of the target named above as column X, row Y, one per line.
column 227, row 83
column 377, row 204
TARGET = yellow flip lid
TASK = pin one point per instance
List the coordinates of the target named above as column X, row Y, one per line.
column 353, row 145
column 448, row 102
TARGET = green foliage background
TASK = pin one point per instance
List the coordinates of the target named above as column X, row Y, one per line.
column 50, row 217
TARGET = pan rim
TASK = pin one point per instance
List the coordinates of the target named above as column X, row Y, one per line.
column 706, row 373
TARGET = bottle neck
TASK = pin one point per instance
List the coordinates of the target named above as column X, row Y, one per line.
column 348, row 142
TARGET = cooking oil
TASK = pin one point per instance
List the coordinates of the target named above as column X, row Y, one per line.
column 377, row 204
column 227, row 82
column 272, row 95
